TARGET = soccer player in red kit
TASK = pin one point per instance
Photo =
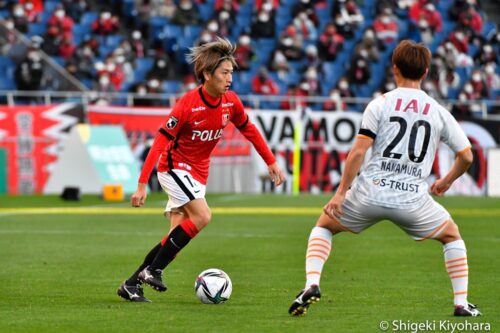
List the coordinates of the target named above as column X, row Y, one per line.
column 183, row 146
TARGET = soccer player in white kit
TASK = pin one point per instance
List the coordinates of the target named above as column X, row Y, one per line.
column 403, row 127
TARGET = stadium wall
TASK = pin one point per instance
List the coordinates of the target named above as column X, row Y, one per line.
column 31, row 137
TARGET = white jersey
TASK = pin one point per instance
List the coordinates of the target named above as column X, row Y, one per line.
column 406, row 125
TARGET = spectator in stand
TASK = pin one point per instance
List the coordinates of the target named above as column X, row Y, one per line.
column 31, row 13
column 485, row 54
column 312, row 78
column 124, row 65
column 106, row 24
column 76, row 8
column 143, row 9
column 244, row 52
column 427, row 19
column 447, row 79
column 294, row 98
column 263, row 25
column 52, row 40
column 230, row 6
column 279, row 64
column 165, row 8
column 311, row 58
column 343, row 28
column 263, row 84
column 188, row 83
column 386, row 28
column 471, row 21
column 187, row 13
column 37, row 5
column 344, row 88
column 67, row 47
column 83, row 59
column 370, row 44
column 205, row 37
column 306, row 6
column 491, row 78
column 305, row 27
column 350, row 12
column 458, row 7
column 141, row 95
column 334, row 102
column 359, row 72
column 105, row 87
column 267, row 5
column 290, row 44
column 225, row 23
column 9, row 37
column 330, row 43
column 137, row 44
column 19, row 17
column 63, row 22
column 161, row 70
column 479, row 84
column 460, row 40
column 29, row 72
column 154, row 87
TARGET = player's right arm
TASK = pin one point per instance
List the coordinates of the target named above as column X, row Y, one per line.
column 352, row 165
column 159, row 144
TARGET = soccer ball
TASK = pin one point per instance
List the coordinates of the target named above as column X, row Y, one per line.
column 213, row 286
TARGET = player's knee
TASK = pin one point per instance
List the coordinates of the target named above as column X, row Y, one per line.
column 203, row 218
column 450, row 233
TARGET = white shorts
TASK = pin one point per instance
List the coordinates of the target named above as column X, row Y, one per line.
column 426, row 221
column 181, row 188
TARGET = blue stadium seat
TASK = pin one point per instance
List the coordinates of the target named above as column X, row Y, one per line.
column 88, row 18
column 172, row 31
column 37, row 29
column 50, row 6
column 7, row 84
column 156, row 24
column 206, row 11
column 172, row 86
column 82, row 30
column 113, row 41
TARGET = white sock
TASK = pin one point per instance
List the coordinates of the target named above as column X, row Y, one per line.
column 318, row 250
column 455, row 259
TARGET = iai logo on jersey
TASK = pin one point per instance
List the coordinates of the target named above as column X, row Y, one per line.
column 225, row 119
column 172, row 122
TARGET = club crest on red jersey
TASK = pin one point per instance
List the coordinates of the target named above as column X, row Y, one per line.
column 172, row 122
column 225, row 119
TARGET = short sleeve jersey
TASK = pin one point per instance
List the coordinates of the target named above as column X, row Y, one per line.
column 407, row 126
column 194, row 127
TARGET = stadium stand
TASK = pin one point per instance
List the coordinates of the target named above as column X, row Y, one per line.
column 445, row 26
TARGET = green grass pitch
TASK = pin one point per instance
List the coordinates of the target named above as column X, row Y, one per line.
column 60, row 268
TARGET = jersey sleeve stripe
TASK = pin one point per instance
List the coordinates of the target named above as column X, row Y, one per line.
column 244, row 124
column 169, row 136
column 181, row 185
column 367, row 132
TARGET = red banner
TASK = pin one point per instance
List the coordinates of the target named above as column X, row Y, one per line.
column 31, row 136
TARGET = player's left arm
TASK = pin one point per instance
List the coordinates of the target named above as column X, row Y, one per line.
column 242, row 122
column 352, row 165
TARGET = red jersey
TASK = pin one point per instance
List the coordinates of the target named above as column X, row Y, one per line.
column 194, row 128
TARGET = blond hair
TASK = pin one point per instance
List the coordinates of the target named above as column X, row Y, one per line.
column 207, row 57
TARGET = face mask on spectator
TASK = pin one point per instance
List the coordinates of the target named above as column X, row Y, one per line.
column 304, row 86
column 99, row 66
column 303, row 16
column 340, row 21
column 191, row 86
column 476, row 77
column 361, row 63
column 311, row 74
column 468, row 88
column 489, row 69
column 136, row 34
column 343, row 85
column 9, row 25
column 369, row 34
column 104, row 80
column 430, row 7
column 110, row 67
column 263, row 17
column 186, row 5
column 106, row 16
column 390, row 86
column 154, row 83
column 267, row 7
column 19, row 11
column 59, row 13
column 462, row 97
column 423, row 24
column 459, row 35
column 87, row 51
column 205, row 38
column 34, row 56
column 363, row 53
column 162, row 63
column 244, row 40
column 287, row 41
column 120, row 59
column 335, row 96
column 223, row 15
column 385, row 19
column 142, row 91
column 487, row 48
column 213, row 26
column 28, row 5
